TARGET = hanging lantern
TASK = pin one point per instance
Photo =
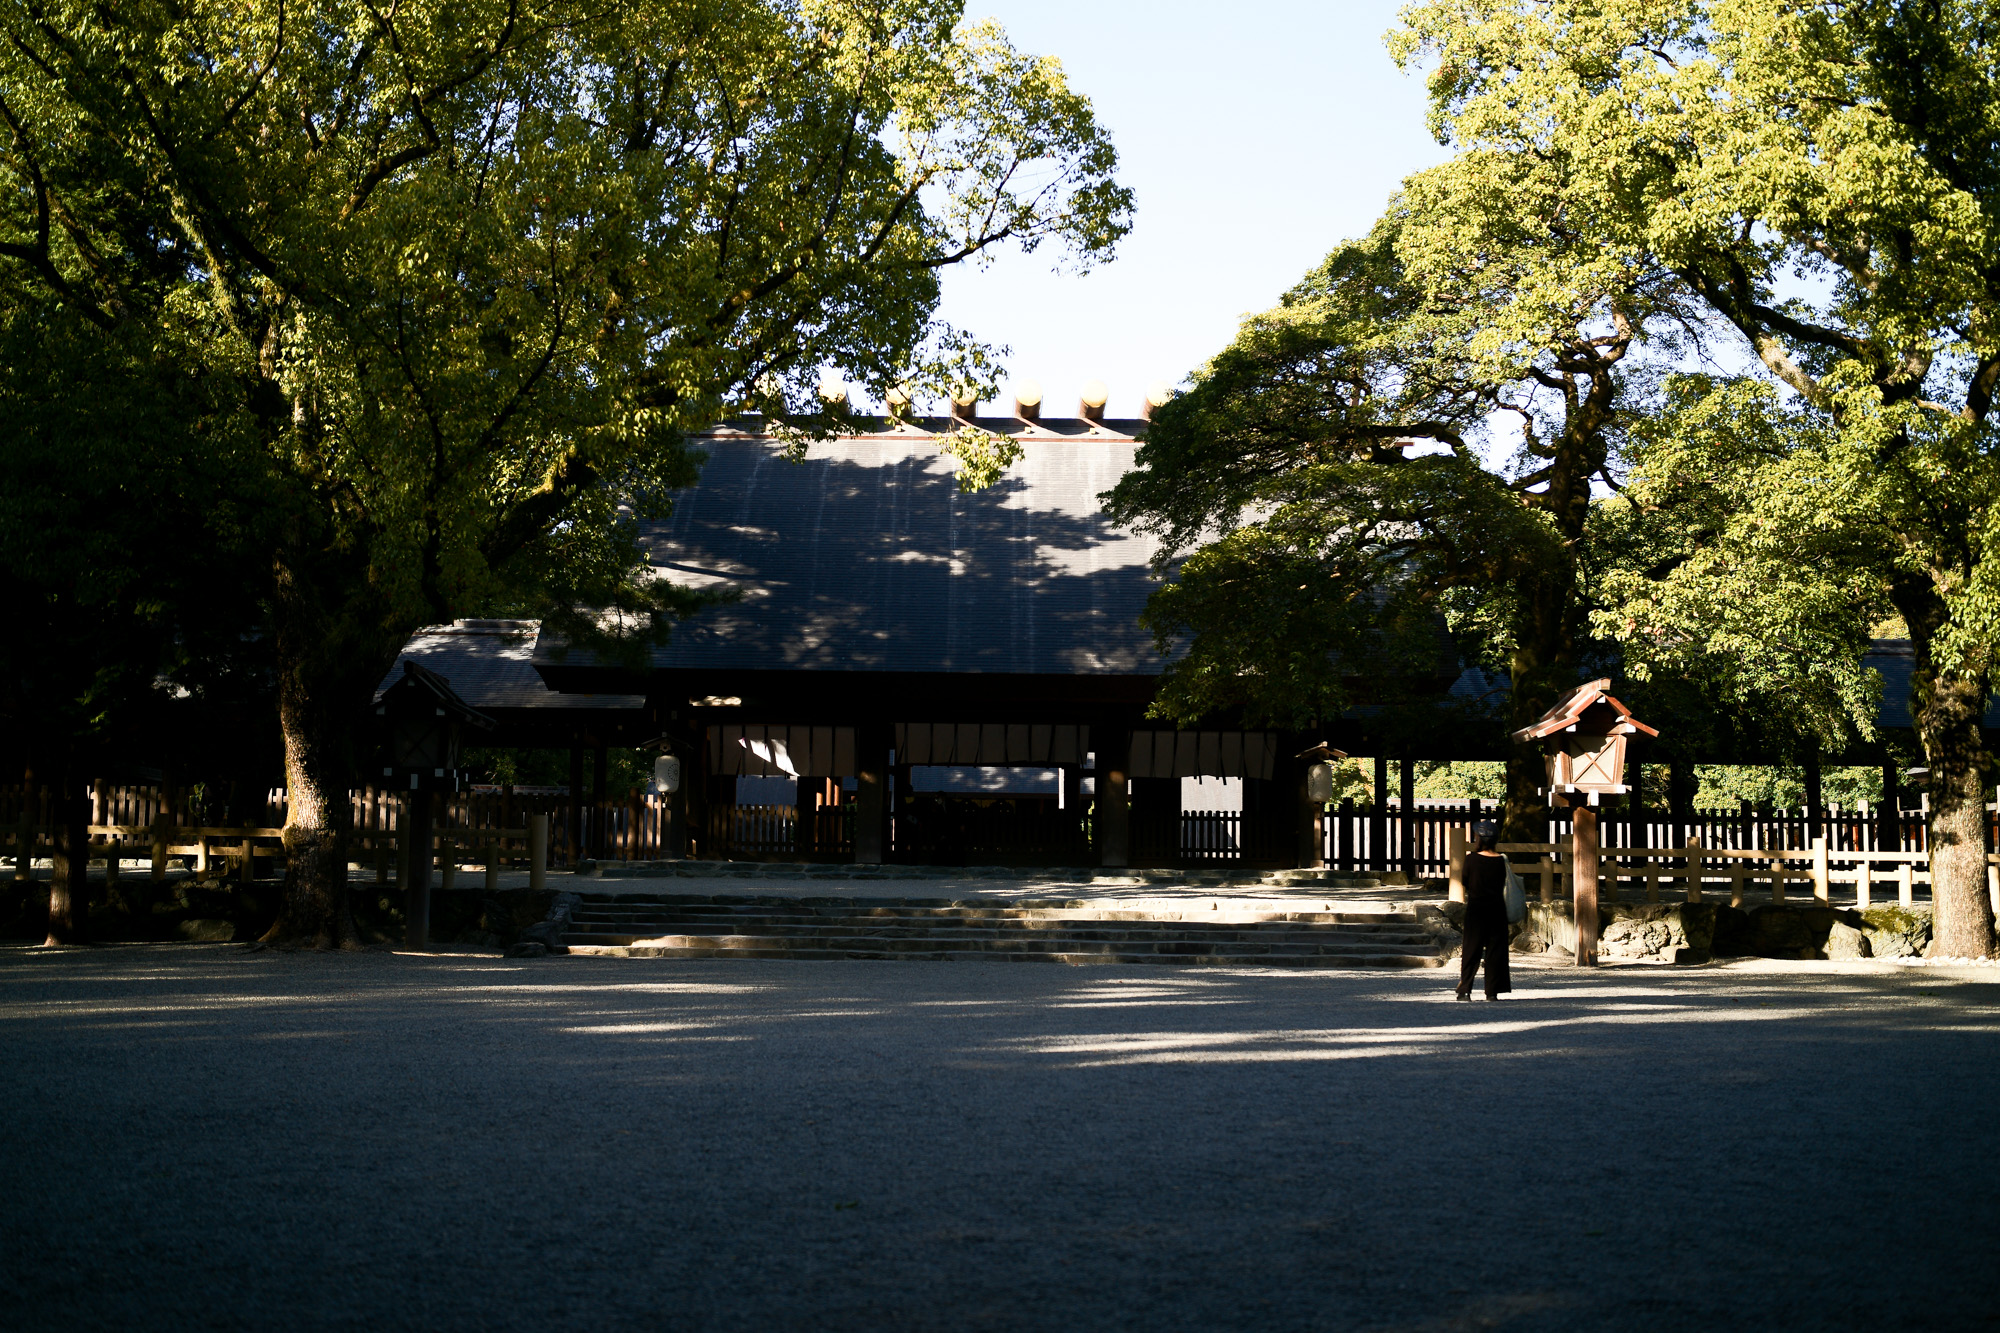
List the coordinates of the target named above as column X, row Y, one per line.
column 1319, row 773
column 1319, row 783
column 667, row 774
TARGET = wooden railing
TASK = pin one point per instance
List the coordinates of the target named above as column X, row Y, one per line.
column 636, row 827
column 201, row 848
column 1695, row 868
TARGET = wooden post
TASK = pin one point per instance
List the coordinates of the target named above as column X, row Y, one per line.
column 493, row 862
column 1584, row 847
column 1889, row 818
column 1906, row 889
column 25, row 827
column 1864, row 884
column 1315, row 830
column 110, row 861
column 1736, row 881
column 1113, row 816
column 803, row 798
column 1456, row 841
column 1378, row 819
column 573, row 823
column 1548, row 869
column 871, row 792
column 1777, row 869
column 600, row 802
column 1822, row 871
column 538, row 850
column 1407, row 800
column 417, row 890
column 201, row 854
column 160, row 844
column 1652, row 879
column 1815, row 799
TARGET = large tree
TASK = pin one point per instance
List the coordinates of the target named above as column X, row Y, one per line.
column 122, row 524
column 1411, row 437
column 1821, row 178
column 474, row 270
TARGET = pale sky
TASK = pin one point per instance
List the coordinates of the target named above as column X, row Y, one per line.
column 1256, row 135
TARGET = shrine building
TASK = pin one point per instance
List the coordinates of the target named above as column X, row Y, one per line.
column 900, row 655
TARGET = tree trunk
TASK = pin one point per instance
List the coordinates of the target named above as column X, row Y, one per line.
column 69, row 879
column 1948, row 708
column 1948, row 711
column 317, row 912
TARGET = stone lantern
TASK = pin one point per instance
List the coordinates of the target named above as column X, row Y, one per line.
column 1584, row 737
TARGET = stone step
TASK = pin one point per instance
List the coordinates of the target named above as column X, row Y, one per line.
column 1060, row 930
column 1010, row 943
column 848, row 908
column 1414, row 942
column 1073, row 958
column 1403, row 943
column 1187, row 921
column 809, row 872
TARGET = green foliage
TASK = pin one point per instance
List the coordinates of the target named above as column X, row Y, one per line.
column 1461, row 780
column 127, row 535
column 1329, row 541
column 982, row 456
column 624, row 769
column 465, row 276
column 1820, row 180
column 1730, row 561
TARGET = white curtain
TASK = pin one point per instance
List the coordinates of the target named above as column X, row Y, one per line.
column 763, row 750
column 1203, row 754
column 990, row 744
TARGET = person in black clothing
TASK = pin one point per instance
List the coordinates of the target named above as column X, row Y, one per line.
column 1485, row 915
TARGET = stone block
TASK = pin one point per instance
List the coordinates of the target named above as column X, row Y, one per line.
column 527, row 949
column 1651, row 932
column 1896, row 932
column 207, row 930
column 1844, row 941
column 1441, row 923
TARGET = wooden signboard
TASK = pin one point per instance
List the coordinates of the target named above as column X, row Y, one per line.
column 1584, row 737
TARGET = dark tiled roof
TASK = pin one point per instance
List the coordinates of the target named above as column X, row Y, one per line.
column 488, row 664
column 866, row 557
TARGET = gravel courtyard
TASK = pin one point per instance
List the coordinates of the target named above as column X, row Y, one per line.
column 214, row 1137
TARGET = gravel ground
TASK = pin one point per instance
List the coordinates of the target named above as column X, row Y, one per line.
column 212, row 1137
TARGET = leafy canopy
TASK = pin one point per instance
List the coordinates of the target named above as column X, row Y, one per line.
column 477, row 268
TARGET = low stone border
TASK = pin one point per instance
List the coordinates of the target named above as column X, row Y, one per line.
column 545, row 936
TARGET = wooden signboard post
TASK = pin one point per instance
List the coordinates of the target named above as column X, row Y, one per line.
column 1584, row 736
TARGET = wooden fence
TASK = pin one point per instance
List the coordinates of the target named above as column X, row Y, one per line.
column 141, row 822
column 1360, row 838
column 775, row 833
column 1746, row 873
column 128, row 822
